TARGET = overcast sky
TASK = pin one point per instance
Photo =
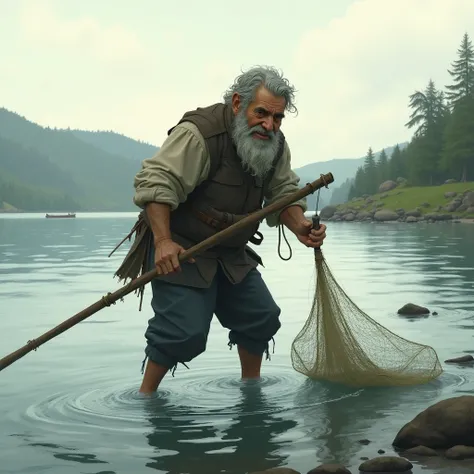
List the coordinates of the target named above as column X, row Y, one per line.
column 136, row 66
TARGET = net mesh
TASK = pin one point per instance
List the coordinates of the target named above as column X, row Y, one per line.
column 340, row 343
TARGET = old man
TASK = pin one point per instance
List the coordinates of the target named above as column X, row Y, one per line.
column 218, row 164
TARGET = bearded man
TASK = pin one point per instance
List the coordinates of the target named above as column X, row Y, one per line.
column 218, row 164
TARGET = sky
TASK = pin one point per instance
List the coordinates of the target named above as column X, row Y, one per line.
column 135, row 67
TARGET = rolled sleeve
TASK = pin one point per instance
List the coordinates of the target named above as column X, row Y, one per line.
column 283, row 183
column 175, row 170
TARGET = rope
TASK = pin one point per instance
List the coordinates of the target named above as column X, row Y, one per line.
column 106, row 299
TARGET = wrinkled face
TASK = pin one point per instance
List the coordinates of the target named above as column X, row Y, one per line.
column 257, row 130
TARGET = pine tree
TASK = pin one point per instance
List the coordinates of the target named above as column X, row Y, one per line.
column 382, row 167
column 458, row 152
column 370, row 172
column 462, row 73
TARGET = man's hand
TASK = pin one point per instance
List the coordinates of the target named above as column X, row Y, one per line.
column 167, row 253
column 294, row 218
column 308, row 236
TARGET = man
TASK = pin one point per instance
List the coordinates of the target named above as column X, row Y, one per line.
column 218, row 164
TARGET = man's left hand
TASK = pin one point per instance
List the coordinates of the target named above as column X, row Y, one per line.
column 311, row 237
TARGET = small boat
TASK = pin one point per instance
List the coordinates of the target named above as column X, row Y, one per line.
column 61, row 216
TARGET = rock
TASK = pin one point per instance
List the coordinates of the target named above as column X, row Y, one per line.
column 327, row 212
column 434, row 313
column 277, row 470
column 466, row 358
column 385, row 215
column 450, row 181
column 425, row 204
column 387, row 186
column 445, row 424
column 383, row 196
column 379, row 204
column 413, row 309
column 386, row 464
column 381, row 451
column 470, row 210
column 437, row 217
column 450, row 194
column 422, row 451
column 460, row 452
column 401, row 180
column 453, row 205
column 363, row 215
column 413, row 213
column 468, row 199
column 411, row 219
column 349, row 217
column 364, row 441
column 330, row 469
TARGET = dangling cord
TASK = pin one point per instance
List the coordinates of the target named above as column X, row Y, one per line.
column 281, row 230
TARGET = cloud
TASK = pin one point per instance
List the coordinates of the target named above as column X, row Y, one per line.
column 42, row 26
column 355, row 74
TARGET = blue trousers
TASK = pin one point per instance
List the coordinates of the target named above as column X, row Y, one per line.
column 178, row 331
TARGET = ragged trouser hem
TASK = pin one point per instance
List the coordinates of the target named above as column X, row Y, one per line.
column 158, row 358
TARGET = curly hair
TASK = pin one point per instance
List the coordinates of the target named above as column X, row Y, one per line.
column 247, row 83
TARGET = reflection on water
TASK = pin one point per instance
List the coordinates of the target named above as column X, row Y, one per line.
column 72, row 406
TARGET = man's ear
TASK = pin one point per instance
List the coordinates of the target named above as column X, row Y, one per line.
column 236, row 103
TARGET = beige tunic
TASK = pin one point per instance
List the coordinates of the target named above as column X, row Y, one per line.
column 183, row 162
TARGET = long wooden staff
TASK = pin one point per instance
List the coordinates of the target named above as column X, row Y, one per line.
column 111, row 298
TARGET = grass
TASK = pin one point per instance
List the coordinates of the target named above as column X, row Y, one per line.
column 409, row 198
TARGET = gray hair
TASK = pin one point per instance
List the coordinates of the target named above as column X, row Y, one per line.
column 248, row 82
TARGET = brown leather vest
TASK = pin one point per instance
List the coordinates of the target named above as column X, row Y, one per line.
column 229, row 194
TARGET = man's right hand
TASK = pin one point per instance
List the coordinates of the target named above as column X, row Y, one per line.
column 167, row 253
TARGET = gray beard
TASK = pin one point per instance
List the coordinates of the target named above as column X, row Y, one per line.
column 256, row 155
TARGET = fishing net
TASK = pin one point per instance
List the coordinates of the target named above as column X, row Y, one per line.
column 341, row 343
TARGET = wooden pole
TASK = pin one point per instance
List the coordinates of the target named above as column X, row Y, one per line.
column 217, row 238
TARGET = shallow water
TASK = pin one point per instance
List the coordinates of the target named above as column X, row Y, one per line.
column 72, row 406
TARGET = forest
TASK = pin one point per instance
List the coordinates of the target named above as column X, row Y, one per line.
column 442, row 145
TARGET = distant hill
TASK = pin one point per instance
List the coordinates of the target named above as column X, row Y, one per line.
column 97, row 179
column 117, row 144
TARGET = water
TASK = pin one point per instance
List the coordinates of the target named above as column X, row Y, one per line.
column 72, row 406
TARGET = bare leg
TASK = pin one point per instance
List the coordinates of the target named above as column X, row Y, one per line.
column 250, row 364
column 152, row 378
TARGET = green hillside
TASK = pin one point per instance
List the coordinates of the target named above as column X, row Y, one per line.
column 86, row 174
column 117, row 144
column 403, row 203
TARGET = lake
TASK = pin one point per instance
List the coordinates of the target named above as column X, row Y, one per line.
column 72, row 406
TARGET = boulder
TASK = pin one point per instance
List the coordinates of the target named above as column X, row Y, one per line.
column 386, row 464
column 450, row 181
column 450, row 194
column 387, row 186
column 460, row 360
column 413, row 309
column 330, row 469
column 470, row 210
column 327, row 212
column 468, row 199
column 385, row 215
column 453, row 205
column 421, row 451
column 460, row 452
column 443, row 425
column 413, row 213
column 411, row 219
column 349, row 217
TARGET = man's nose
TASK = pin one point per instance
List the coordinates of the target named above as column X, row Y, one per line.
column 268, row 123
